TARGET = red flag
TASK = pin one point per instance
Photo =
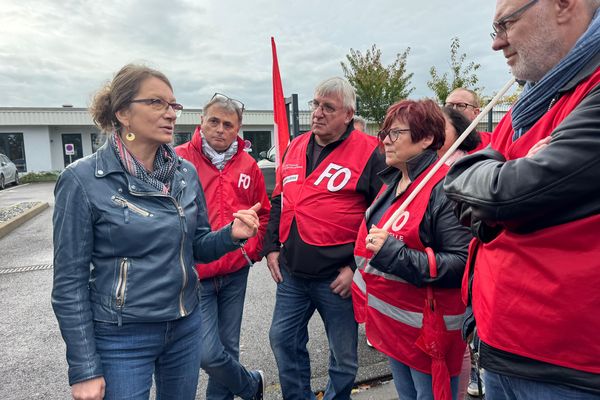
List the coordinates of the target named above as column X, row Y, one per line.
column 282, row 132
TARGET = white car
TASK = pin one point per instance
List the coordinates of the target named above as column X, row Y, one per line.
column 8, row 172
column 266, row 163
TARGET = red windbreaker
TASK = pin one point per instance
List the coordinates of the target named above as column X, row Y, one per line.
column 239, row 186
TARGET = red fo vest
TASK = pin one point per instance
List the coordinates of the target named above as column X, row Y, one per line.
column 393, row 311
column 537, row 295
column 325, row 204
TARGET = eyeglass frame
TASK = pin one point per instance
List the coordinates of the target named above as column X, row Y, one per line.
column 382, row 134
column 178, row 108
column 499, row 26
column 460, row 106
column 227, row 98
column 322, row 106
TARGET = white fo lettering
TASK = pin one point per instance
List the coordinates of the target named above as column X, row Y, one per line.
column 333, row 177
column 400, row 221
column 244, row 181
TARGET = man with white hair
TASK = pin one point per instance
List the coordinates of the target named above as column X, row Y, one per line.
column 532, row 202
column 326, row 182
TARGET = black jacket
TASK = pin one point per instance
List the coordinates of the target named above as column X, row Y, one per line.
column 439, row 230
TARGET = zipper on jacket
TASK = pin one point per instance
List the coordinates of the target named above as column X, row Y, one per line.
column 182, row 310
column 121, row 285
column 127, row 205
column 250, row 263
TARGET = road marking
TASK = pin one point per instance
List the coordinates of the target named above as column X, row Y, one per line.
column 25, row 269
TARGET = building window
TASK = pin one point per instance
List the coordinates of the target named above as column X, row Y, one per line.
column 12, row 145
column 259, row 141
column 181, row 138
column 98, row 139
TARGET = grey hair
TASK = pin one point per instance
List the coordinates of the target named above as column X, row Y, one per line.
column 338, row 87
column 360, row 120
column 225, row 105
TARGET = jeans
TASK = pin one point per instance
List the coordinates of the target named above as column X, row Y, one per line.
column 296, row 301
column 501, row 387
column 415, row 385
column 131, row 353
column 222, row 306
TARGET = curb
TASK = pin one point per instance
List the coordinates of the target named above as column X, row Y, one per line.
column 12, row 224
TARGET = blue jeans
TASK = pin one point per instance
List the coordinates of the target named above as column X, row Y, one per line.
column 501, row 387
column 131, row 353
column 222, row 306
column 296, row 301
column 415, row 385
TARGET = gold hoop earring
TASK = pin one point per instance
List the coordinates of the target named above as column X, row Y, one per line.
column 130, row 136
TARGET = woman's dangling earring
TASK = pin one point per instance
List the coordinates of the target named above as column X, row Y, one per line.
column 130, row 136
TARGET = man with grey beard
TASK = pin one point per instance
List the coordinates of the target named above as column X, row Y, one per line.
column 531, row 200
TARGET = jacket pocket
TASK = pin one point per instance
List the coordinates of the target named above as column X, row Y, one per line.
column 129, row 206
column 121, row 288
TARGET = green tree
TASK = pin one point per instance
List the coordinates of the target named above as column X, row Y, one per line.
column 461, row 75
column 377, row 86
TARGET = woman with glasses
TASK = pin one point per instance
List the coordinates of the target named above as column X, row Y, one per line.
column 420, row 258
column 130, row 221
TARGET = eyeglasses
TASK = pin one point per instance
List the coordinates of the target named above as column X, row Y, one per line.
column 394, row 134
column 326, row 108
column 459, row 106
column 160, row 105
column 224, row 98
column 502, row 26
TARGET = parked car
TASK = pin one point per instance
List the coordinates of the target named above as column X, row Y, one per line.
column 8, row 172
column 266, row 163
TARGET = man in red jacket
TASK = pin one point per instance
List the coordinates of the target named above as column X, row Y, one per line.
column 531, row 199
column 231, row 180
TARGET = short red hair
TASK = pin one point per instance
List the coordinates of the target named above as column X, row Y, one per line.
column 423, row 117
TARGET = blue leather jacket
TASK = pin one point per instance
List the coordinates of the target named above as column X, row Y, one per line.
column 124, row 252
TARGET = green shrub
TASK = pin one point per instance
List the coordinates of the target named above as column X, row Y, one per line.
column 46, row 176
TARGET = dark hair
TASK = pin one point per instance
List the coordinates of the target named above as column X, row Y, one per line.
column 423, row 117
column 460, row 123
column 116, row 95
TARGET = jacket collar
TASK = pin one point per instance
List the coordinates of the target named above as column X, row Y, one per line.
column 108, row 163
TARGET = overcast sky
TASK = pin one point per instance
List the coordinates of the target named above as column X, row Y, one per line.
column 60, row 52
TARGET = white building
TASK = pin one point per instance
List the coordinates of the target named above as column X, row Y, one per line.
column 35, row 138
